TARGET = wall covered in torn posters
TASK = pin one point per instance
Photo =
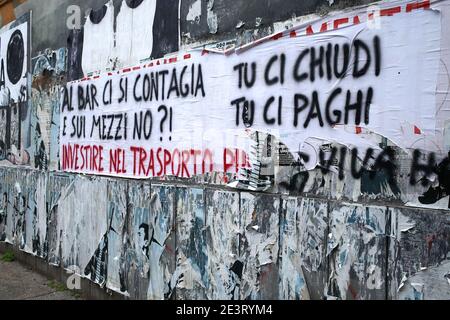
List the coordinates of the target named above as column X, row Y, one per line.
column 322, row 220
column 160, row 241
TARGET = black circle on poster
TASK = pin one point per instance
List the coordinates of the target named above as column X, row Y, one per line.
column 133, row 4
column 97, row 16
column 15, row 57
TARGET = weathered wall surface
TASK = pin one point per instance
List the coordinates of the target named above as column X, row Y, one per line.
column 316, row 221
column 149, row 240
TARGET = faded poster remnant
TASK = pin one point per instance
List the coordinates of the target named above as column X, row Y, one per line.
column 36, row 215
column 48, row 75
column 162, row 245
column 304, row 231
column 420, row 255
column 56, row 193
column 357, row 252
column 259, row 246
column 225, row 268
column 191, row 277
column 89, row 217
column 117, row 211
column 136, row 240
column 3, row 206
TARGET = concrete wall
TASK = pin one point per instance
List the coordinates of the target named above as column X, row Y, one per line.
column 306, row 235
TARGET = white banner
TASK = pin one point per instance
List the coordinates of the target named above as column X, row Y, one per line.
column 193, row 114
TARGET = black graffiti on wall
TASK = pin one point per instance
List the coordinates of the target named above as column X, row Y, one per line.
column 328, row 62
column 371, row 166
column 441, row 170
column 160, row 86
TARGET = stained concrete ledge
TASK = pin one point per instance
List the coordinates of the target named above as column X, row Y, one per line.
column 29, row 276
column 20, row 282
